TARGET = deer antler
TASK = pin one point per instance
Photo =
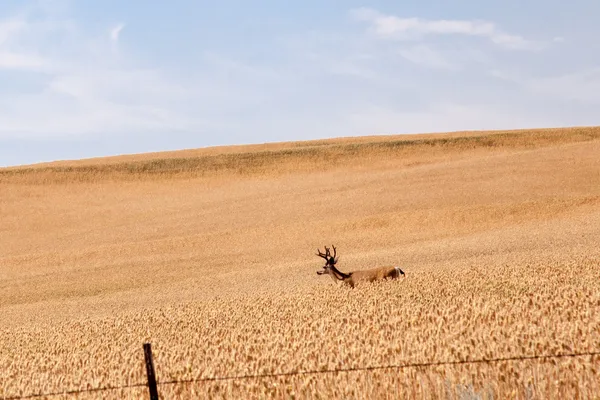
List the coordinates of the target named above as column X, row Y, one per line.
column 333, row 259
column 324, row 255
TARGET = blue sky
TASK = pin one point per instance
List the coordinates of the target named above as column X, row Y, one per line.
column 90, row 78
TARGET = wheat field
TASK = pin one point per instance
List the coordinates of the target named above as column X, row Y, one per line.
column 209, row 255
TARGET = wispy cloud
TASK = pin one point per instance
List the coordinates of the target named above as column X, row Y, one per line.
column 9, row 28
column 427, row 56
column 438, row 117
column 10, row 57
column 12, row 60
column 393, row 27
column 581, row 86
column 115, row 32
column 85, row 88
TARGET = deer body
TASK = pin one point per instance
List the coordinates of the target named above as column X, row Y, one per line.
column 352, row 278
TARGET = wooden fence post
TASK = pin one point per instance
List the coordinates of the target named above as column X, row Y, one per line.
column 150, row 372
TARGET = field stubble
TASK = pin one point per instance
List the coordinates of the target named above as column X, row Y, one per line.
column 499, row 244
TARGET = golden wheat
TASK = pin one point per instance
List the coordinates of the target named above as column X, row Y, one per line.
column 499, row 244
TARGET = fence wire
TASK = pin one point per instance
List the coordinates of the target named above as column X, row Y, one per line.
column 75, row 391
column 316, row 372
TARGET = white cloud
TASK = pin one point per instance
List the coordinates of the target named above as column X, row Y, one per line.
column 393, row 27
column 504, row 75
column 11, row 60
column 514, row 42
column 115, row 32
column 9, row 28
column 581, row 86
column 426, row 56
column 439, row 117
column 348, row 56
column 85, row 87
column 23, row 43
column 95, row 102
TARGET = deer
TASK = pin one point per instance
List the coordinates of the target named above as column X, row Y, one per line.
column 352, row 278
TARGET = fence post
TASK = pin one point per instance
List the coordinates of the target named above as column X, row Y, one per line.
column 150, row 372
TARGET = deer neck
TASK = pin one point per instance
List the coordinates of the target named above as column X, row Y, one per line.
column 334, row 276
column 339, row 274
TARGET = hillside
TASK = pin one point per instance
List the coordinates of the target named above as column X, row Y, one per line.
column 210, row 255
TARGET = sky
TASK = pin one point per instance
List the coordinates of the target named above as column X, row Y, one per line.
column 87, row 78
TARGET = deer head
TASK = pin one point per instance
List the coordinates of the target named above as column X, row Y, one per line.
column 330, row 261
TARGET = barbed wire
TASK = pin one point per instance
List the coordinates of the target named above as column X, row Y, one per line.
column 75, row 391
column 379, row 367
column 316, row 372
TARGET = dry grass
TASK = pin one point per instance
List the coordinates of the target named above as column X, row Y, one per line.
column 209, row 255
column 293, row 157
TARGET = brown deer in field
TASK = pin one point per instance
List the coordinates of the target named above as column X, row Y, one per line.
column 352, row 278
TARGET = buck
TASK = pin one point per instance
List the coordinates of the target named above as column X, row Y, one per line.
column 352, row 278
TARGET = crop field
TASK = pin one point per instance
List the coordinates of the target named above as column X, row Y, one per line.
column 210, row 255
